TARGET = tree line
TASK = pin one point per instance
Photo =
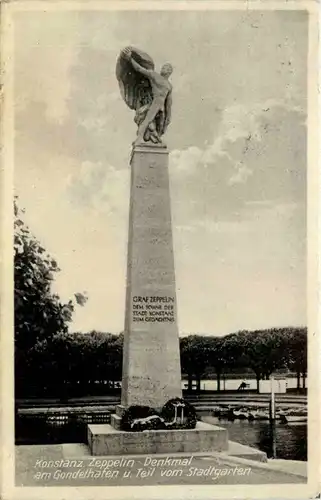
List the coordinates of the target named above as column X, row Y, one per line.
column 87, row 364
column 260, row 352
column 49, row 360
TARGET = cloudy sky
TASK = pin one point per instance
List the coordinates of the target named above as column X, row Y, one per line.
column 237, row 163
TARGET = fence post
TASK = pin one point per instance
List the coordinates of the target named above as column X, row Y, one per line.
column 272, row 418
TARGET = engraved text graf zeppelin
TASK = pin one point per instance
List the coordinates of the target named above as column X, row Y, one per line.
column 153, row 309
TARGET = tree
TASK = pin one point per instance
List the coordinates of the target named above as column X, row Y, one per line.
column 218, row 356
column 194, row 358
column 297, row 345
column 264, row 351
column 187, row 360
column 104, row 361
column 71, row 364
column 39, row 314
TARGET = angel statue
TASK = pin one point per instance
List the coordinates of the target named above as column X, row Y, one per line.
column 147, row 92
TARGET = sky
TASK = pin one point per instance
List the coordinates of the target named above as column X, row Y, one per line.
column 237, row 166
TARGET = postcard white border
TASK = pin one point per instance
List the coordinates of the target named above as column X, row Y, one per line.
column 9, row 490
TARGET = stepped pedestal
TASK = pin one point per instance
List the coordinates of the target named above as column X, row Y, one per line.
column 105, row 440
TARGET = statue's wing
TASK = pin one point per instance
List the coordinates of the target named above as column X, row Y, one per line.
column 134, row 87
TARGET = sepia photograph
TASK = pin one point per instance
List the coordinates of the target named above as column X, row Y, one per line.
column 159, row 303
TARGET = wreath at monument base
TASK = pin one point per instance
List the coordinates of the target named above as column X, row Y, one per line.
column 179, row 414
column 141, row 418
column 175, row 414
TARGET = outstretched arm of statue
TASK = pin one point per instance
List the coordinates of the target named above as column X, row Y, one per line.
column 128, row 54
column 140, row 68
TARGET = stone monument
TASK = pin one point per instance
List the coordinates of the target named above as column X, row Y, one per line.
column 151, row 359
column 151, row 366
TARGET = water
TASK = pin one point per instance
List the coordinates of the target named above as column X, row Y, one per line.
column 291, row 440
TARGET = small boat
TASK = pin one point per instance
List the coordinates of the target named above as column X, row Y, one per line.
column 288, row 418
column 225, row 412
column 258, row 415
column 240, row 414
column 279, row 415
column 216, row 411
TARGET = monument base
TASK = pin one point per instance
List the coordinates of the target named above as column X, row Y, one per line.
column 103, row 440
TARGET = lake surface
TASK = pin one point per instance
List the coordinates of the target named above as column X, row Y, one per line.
column 291, row 440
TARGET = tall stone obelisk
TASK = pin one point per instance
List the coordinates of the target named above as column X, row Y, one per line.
column 151, row 359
